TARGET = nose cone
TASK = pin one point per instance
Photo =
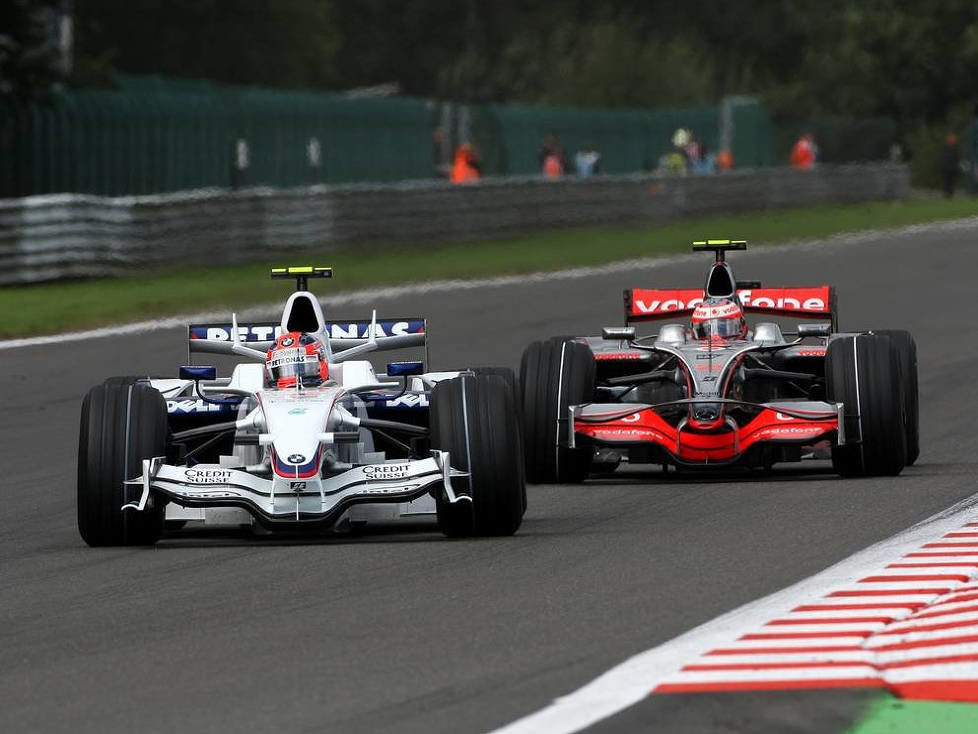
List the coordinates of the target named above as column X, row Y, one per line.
column 295, row 421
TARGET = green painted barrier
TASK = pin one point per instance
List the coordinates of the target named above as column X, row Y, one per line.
column 167, row 138
column 152, row 134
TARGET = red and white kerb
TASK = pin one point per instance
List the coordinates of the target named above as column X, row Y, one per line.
column 910, row 627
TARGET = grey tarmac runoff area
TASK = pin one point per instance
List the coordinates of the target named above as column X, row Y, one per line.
column 409, row 632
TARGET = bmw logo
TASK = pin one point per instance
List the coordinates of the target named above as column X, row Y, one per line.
column 287, row 341
column 297, row 459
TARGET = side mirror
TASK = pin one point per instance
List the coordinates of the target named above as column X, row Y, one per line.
column 618, row 333
column 193, row 372
column 404, row 369
column 824, row 329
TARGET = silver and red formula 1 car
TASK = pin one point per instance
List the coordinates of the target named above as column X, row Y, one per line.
column 712, row 391
column 304, row 435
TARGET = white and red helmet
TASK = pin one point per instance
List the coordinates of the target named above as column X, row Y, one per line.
column 719, row 319
column 297, row 359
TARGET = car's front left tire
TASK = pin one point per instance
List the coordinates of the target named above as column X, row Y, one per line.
column 906, row 349
column 555, row 374
column 864, row 374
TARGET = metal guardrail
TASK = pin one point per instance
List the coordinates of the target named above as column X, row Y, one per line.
column 44, row 238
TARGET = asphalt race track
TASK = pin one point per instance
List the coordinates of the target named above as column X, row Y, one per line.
column 410, row 632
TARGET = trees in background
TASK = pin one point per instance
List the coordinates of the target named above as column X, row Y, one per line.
column 267, row 42
column 913, row 60
column 30, row 55
column 907, row 58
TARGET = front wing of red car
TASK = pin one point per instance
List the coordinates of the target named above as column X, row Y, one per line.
column 622, row 424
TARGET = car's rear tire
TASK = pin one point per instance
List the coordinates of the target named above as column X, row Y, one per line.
column 906, row 348
column 123, row 422
column 864, row 373
column 555, row 374
column 473, row 417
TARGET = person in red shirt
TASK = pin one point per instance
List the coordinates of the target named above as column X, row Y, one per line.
column 465, row 168
column 803, row 153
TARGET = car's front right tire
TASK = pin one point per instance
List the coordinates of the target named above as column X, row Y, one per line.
column 123, row 421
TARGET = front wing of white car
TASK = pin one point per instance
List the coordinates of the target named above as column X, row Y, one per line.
column 284, row 501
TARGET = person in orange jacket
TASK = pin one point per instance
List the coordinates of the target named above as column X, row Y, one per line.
column 553, row 166
column 725, row 160
column 465, row 168
column 551, row 158
column 803, row 153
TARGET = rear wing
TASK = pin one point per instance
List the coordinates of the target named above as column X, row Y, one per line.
column 343, row 334
column 818, row 302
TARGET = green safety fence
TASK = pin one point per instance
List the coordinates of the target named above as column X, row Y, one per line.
column 154, row 134
column 139, row 140
column 751, row 134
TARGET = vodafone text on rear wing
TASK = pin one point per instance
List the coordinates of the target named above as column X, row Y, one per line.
column 815, row 302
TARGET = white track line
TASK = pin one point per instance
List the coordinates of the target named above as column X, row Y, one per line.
column 844, row 239
column 633, row 680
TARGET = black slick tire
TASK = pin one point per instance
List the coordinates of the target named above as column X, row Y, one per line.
column 864, row 373
column 555, row 374
column 906, row 349
column 123, row 421
column 473, row 417
column 509, row 377
column 123, row 380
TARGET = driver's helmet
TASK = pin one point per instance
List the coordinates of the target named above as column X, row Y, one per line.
column 297, row 359
column 719, row 319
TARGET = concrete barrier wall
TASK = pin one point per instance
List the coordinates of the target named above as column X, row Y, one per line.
column 45, row 238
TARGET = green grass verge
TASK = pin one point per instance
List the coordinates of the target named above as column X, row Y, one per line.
column 892, row 715
column 44, row 309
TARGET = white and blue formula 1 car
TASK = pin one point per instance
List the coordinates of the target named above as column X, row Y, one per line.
column 303, row 435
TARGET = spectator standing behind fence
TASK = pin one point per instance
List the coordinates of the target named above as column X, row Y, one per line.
column 693, row 150
column 725, row 160
column 588, row 162
column 551, row 157
column 705, row 163
column 466, row 166
column 676, row 162
column 950, row 164
column 553, row 167
column 804, row 153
